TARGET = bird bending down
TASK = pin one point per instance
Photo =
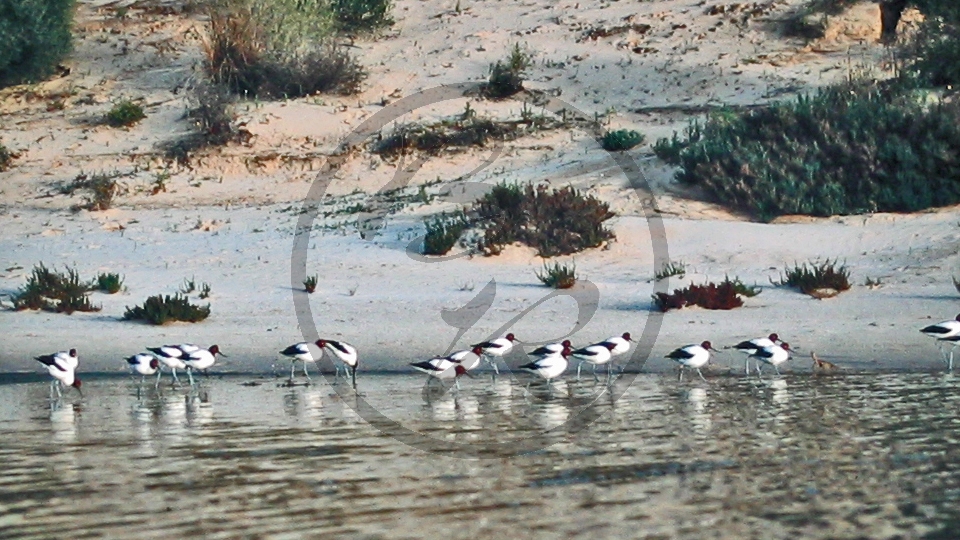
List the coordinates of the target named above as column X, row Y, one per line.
column 62, row 367
column 344, row 352
column 549, row 364
column 443, row 368
column 750, row 348
column 201, row 359
column 144, row 364
column 300, row 352
column 773, row 355
column 692, row 357
column 495, row 349
column 946, row 331
column 172, row 356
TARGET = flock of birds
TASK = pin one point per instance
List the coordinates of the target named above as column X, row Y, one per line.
column 548, row 362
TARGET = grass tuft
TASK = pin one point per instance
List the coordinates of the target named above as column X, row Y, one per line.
column 443, row 231
column 670, row 269
column 109, row 282
column 558, row 276
column 816, row 278
column 52, row 291
column 506, row 77
column 310, row 284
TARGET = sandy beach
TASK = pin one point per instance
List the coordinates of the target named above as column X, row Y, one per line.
column 229, row 218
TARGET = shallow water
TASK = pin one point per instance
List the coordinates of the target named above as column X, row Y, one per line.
column 852, row 456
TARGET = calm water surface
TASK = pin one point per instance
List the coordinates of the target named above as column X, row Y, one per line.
column 851, row 456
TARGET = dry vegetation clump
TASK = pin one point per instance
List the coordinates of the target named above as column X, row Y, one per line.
column 621, row 139
column 724, row 295
column 101, row 188
column 310, row 284
column 279, row 49
column 125, row 114
column 214, row 124
column 52, row 291
column 6, row 158
column 362, row 15
column 553, row 221
column 506, row 78
column 443, row 231
column 558, row 276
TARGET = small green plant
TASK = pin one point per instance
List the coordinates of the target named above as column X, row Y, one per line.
column 558, row 276
column 36, row 37
column 125, row 113
column 506, row 78
column 109, row 282
column 670, row 269
column 189, row 285
column 876, row 283
column 51, row 291
column 443, row 231
column 621, row 139
column 204, row 291
column 161, row 309
column 724, row 295
column 820, row 280
column 310, row 284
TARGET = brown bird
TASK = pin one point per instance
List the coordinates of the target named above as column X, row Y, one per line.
column 821, row 366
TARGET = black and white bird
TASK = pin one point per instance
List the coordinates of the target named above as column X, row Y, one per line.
column 300, row 352
column 347, row 355
column 201, row 360
column 692, row 357
column 172, row 356
column 551, row 348
column 144, row 364
column 945, row 332
column 496, row 349
column 468, row 358
column 62, row 366
column 442, row 368
column 773, row 355
column 549, row 364
column 621, row 344
column 750, row 347
column 598, row 354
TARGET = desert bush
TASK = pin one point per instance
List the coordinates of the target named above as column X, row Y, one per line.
column 109, row 282
column 34, row 38
column 278, row 48
column 101, row 188
column 816, row 277
column 621, row 139
column 310, row 284
column 558, row 276
column 6, row 157
column 443, row 231
column 553, row 221
column 213, row 122
column 670, row 269
column 506, row 78
column 848, row 149
column 362, row 15
column 161, row 309
column 52, row 291
column 724, row 295
column 933, row 52
column 124, row 114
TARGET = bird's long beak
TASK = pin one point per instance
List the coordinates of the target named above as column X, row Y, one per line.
column 223, row 355
column 468, row 374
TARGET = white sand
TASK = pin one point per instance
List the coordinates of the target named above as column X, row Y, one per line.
column 224, row 222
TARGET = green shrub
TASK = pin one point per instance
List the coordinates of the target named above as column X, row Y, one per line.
column 125, row 113
column 558, row 276
column 163, row 309
column 816, row 277
column 553, row 221
column 933, row 52
column 51, row 291
column 310, row 284
column 362, row 15
column 101, row 189
column 109, row 282
column 443, row 231
column 34, row 38
column 506, row 78
column 724, row 295
column 278, row 48
column 848, row 149
column 621, row 139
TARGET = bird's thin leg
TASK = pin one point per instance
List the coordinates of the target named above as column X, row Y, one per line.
column 746, row 367
column 759, row 376
column 456, row 382
column 305, row 374
column 159, row 374
column 777, row 369
column 680, row 376
column 293, row 367
column 190, row 375
column 51, row 390
column 579, row 366
column 174, row 372
column 353, row 377
column 701, row 375
column 595, row 378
